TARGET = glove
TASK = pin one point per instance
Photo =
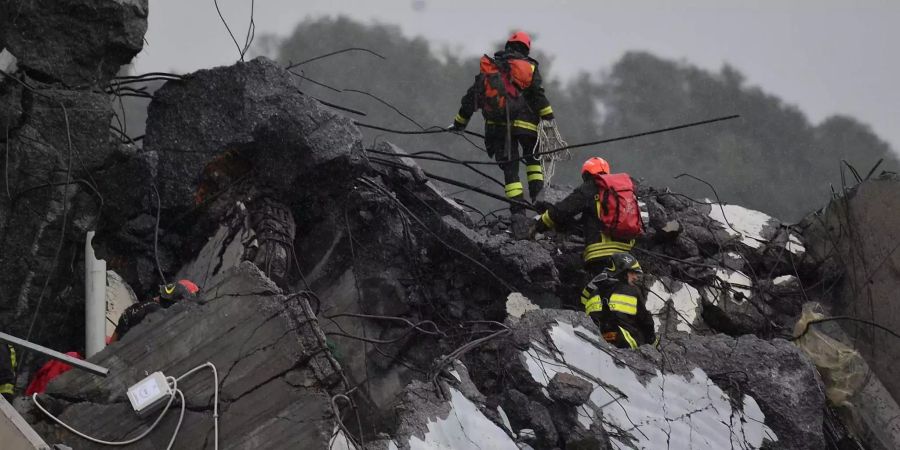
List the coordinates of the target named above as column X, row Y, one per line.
column 594, row 285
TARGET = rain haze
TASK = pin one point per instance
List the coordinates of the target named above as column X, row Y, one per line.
column 825, row 57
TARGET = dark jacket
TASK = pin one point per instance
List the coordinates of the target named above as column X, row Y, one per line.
column 618, row 304
column 524, row 116
column 584, row 200
column 134, row 314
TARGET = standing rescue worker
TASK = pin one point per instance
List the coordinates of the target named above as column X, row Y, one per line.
column 585, row 200
column 617, row 305
column 509, row 92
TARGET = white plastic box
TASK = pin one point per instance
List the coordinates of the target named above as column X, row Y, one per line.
column 149, row 394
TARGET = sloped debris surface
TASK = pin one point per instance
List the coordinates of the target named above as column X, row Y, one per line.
column 698, row 392
column 428, row 421
column 263, row 345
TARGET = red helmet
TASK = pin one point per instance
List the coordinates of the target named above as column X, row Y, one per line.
column 595, row 166
column 520, row 36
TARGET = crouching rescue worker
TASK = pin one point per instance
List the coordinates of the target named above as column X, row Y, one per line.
column 509, row 93
column 618, row 306
column 168, row 295
column 609, row 214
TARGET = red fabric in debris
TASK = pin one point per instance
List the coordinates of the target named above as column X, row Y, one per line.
column 47, row 373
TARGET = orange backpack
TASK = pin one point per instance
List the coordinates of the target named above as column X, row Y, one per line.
column 504, row 80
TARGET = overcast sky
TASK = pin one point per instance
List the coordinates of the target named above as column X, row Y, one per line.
column 825, row 56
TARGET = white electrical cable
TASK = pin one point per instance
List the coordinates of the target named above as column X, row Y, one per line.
column 180, row 418
column 116, row 443
column 175, row 391
column 216, row 390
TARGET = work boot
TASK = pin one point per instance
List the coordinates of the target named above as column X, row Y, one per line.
column 518, row 207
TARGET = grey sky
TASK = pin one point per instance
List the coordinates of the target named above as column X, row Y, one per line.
column 824, row 56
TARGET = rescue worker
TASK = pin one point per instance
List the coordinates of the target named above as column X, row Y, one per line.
column 7, row 370
column 615, row 303
column 168, row 295
column 514, row 124
column 585, row 200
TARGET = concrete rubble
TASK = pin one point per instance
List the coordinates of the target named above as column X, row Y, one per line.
column 273, row 371
column 346, row 299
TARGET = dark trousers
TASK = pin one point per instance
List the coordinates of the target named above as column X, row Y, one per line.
column 520, row 145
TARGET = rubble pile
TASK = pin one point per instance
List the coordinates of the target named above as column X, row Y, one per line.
column 58, row 152
column 347, row 302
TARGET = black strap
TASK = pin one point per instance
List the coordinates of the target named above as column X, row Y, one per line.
column 604, row 201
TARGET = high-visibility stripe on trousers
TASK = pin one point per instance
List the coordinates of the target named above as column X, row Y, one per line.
column 535, row 172
column 514, row 189
column 628, row 338
column 548, row 221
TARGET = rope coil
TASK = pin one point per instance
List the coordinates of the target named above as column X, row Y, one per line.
column 549, row 140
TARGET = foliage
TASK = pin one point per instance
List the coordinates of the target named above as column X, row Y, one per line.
column 771, row 159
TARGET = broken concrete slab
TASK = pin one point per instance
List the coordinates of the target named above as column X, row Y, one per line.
column 429, row 418
column 254, row 335
column 517, row 263
column 59, row 136
column 569, row 388
column 76, row 42
column 854, row 241
column 285, row 137
column 675, row 306
column 693, row 375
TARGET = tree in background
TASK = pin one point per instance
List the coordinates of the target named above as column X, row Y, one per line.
column 771, row 159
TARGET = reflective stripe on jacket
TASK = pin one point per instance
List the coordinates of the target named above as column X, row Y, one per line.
column 607, row 246
column 621, row 303
column 626, row 315
column 584, row 201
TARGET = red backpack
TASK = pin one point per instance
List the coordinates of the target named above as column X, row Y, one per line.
column 504, row 79
column 617, row 206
